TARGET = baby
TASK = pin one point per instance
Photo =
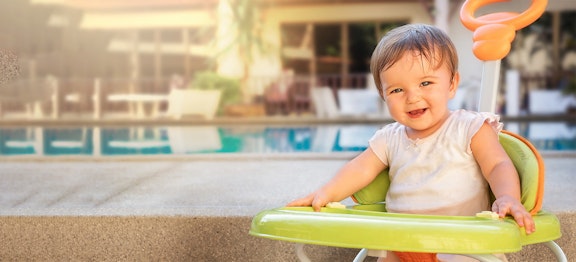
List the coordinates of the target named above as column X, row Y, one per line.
column 440, row 162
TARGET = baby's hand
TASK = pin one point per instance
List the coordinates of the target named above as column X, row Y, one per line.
column 316, row 200
column 301, row 202
column 508, row 205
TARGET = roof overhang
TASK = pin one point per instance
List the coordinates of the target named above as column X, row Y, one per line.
column 139, row 20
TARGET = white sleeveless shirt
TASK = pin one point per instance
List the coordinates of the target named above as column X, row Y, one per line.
column 437, row 174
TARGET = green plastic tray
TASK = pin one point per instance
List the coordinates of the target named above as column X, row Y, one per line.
column 365, row 226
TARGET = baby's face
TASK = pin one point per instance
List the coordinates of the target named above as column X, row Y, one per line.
column 417, row 92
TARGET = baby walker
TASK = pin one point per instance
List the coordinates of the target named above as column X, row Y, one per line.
column 367, row 226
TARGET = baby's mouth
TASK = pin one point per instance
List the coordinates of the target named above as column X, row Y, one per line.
column 418, row 112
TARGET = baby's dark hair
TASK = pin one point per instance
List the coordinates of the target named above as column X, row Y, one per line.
column 430, row 42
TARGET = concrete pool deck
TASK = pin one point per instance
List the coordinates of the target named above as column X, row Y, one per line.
column 187, row 209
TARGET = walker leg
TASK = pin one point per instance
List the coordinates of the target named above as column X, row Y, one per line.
column 560, row 256
column 361, row 255
column 300, row 253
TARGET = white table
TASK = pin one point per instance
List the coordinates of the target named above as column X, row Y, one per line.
column 137, row 102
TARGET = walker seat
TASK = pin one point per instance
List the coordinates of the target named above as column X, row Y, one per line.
column 369, row 227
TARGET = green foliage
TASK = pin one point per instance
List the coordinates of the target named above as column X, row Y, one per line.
column 570, row 88
column 246, row 31
column 247, row 38
column 209, row 80
column 332, row 51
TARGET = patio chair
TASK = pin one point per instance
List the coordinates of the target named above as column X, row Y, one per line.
column 196, row 102
column 324, row 102
column 369, row 227
column 352, row 103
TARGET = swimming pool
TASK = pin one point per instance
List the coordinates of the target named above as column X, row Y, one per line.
column 242, row 139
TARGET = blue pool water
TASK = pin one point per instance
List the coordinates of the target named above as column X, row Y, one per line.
column 183, row 140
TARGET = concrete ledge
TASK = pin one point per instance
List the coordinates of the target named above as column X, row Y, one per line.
column 196, row 210
column 181, row 238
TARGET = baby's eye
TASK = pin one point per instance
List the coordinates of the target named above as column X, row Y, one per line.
column 395, row 90
column 425, row 83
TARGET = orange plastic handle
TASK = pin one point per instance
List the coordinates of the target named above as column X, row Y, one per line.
column 494, row 33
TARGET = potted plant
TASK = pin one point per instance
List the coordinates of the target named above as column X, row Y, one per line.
column 207, row 95
column 570, row 91
column 570, row 87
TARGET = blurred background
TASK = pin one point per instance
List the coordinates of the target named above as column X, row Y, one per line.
column 172, row 62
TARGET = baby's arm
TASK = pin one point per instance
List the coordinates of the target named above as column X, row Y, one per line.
column 501, row 174
column 353, row 176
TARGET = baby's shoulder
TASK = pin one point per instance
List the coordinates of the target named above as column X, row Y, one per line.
column 472, row 119
column 392, row 129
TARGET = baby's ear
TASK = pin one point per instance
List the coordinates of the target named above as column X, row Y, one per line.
column 381, row 93
column 454, row 84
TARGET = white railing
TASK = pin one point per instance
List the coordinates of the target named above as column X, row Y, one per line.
column 59, row 98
